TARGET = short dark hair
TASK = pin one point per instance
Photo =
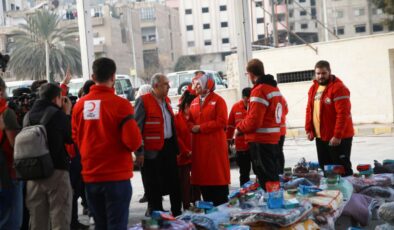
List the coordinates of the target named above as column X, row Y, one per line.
column 49, row 91
column 246, row 92
column 36, row 85
column 323, row 64
column 103, row 69
column 256, row 67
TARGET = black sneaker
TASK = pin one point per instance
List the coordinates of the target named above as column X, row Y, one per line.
column 79, row 226
column 143, row 199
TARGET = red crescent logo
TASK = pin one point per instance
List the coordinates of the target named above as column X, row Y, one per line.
column 93, row 107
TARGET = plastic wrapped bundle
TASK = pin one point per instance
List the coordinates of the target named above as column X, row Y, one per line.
column 312, row 176
column 281, row 217
column 360, row 183
column 384, row 193
column 385, row 168
column 386, row 213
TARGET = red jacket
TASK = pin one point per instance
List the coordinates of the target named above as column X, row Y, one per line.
column 64, row 88
column 335, row 116
column 284, row 114
column 210, row 163
column 184, row 139
column 237, row 114
column 106, row 134
column 262, row 124
column 153, row 132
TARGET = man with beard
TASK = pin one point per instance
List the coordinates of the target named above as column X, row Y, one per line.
column 328, row 118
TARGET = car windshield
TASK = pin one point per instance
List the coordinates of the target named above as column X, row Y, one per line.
column 186, row 77
column 74, row 88
column 174, row 81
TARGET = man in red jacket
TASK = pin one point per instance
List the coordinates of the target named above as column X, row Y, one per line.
column 237, row 114
column 158, row 154
column 261, row 125
column 106, row 133
column 328, row 118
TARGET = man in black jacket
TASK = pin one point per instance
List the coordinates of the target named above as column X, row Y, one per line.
column 49, row 200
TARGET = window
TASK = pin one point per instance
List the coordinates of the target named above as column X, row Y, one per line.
column 260, row 37
column 303, row 13
column 313, row 13
column 206, row 26
column 291, row 13
column 360, row 28
column 260, row 20
column 289, row 2
column 292, row 25
column 205, row 9
column 147, row 13
column 338, row 14
column 225, row 40
column 190, row 44
column 377, row 27
column 224, row 24
column 304, row 26
column 188, row 11
column 377, row 11
column 340, row 30
column 259, row 4
column 359, row 12
column 301, row 1
column 223, row 8
column 295, row 76
column 207, row 42
column 189, row 27
column 313, row 2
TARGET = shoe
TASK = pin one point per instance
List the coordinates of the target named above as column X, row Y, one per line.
column 143, row 199
column 79, row 226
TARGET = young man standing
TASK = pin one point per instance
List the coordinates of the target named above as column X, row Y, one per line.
column 106, row 133
column 261, row 125
column 328, row 118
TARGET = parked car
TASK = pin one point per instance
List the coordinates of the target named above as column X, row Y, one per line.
column 180, row 80
column 123, row 87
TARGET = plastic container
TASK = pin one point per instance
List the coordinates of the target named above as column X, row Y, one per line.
column 275, row 199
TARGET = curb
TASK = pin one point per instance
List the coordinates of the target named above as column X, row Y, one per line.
column 359, row 131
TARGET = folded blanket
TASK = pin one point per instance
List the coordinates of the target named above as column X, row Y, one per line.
column 360, row 208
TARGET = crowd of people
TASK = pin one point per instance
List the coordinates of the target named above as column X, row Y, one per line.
column 183, row 155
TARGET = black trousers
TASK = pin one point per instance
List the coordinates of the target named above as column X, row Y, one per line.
column 245, row 164
column 338, row 155
column 281, row 155
column 217, row 194
column 161, row 178
column 265, row 162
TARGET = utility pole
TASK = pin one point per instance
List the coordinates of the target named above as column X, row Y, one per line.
column 325, row 19
column 85, row 37
column 274, row 26
column 244, row 46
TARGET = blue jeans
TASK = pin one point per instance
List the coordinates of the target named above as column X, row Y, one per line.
column 109, row 203
column 11, row 206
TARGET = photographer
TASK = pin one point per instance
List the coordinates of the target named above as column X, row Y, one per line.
column 10, row 189
column 44, row 200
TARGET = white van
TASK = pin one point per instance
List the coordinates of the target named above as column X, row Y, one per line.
column 123, row 87
column 180, row 80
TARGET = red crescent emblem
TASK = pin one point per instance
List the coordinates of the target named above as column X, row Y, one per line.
column 93, row 107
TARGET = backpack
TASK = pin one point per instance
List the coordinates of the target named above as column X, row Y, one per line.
column 32, row 159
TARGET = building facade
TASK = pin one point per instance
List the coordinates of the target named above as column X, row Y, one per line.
column 347, row 18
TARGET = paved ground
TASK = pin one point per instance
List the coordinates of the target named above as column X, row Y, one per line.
column 365, row 150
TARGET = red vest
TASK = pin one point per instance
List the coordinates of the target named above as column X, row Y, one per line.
column 153, row 131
